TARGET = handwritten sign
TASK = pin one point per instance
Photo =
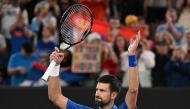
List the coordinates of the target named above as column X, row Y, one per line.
column 86, row 59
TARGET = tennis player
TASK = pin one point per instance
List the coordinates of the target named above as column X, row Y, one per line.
column 107, row 89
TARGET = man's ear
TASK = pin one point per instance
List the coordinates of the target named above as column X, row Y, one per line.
column 113, row 95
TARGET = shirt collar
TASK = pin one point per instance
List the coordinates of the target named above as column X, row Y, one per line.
column 113, row 107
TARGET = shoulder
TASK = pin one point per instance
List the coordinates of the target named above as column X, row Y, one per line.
column 16, row 55
column 35, row 56
column 178, row 26
column 73, row 105
column 123, row 106
column 161, row 26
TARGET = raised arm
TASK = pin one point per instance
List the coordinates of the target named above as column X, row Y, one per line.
column 131, row 96
column 54, row 87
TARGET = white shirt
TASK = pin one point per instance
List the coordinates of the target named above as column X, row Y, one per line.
column 157, row 3
column 9, row 17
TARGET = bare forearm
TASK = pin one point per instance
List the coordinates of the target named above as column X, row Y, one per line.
column 132, row 93
column 54, row 88
column 27, row 32
column 133, row 79
column 56, row 10
column 12, row 71
column 175, row 32
column 54, row 92
column 168, row 3
column 12, row 28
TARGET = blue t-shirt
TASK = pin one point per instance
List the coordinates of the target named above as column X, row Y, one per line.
column 17, row 60
column 18, row 38
column 73, row 105
column 178, row 27
column 45, row 46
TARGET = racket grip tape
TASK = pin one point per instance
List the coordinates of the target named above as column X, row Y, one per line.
column 48, row 71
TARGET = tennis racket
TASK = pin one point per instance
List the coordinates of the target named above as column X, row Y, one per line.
column 74, row 26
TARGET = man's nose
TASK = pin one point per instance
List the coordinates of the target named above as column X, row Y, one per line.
column 97, row 93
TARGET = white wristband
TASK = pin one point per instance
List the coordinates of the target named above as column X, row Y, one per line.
column 55, row 71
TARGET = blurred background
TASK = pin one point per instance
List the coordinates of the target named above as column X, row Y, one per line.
column 29, row 33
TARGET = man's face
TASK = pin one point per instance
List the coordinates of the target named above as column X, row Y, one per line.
column 173, row 15
column 103, row 94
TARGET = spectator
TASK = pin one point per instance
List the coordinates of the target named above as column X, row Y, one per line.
column 166, row 36
column 120, row 48
column 43, row 19
column 146, row 61
column 9, row 16
column 154, row 11
column 143, row 25
column 37, row 70
column 45, row 44
column 114, row 29
column 54, row 9
column 185, row 15
column 132, row 22
column 108, row 60
column 20, row 63
column 176, row 69
column 171, row 26
column 20, row 33
column 162, row 56
column 94, row 38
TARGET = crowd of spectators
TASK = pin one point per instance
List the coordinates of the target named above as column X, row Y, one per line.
column 29, row 33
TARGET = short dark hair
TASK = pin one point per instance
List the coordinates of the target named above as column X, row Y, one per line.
column 115, row 84
column 28, row 47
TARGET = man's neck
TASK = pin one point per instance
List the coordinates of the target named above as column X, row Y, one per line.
column 108, row 106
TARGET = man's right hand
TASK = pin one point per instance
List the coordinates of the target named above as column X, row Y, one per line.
column 57, row 56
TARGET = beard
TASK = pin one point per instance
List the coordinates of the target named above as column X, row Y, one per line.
column 99, row 102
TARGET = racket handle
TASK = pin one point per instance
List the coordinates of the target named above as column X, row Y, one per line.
column 48, row 71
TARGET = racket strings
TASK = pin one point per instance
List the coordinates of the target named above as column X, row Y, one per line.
column 76, row 24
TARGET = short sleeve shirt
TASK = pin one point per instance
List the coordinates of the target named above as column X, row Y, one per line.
column 178, row 27
column 73, row 105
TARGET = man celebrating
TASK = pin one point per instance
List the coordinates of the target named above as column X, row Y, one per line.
column 107, row 89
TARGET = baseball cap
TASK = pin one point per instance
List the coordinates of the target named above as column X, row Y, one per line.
column 93, row 36
column 130, row 19
column 43, row 4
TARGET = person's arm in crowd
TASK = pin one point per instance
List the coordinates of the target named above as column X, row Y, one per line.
column 171, row 26
column 132, row 93
column 168, row 3
column 179, row 4
column 145, row 7
column 56, row 9
column 18, row 20
column 36, row 10
column 27, row 32
column 14, row 25
column 175, row 32
column 17, row 69
column 3, row 43
column 1, row 5
column 54, row 87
